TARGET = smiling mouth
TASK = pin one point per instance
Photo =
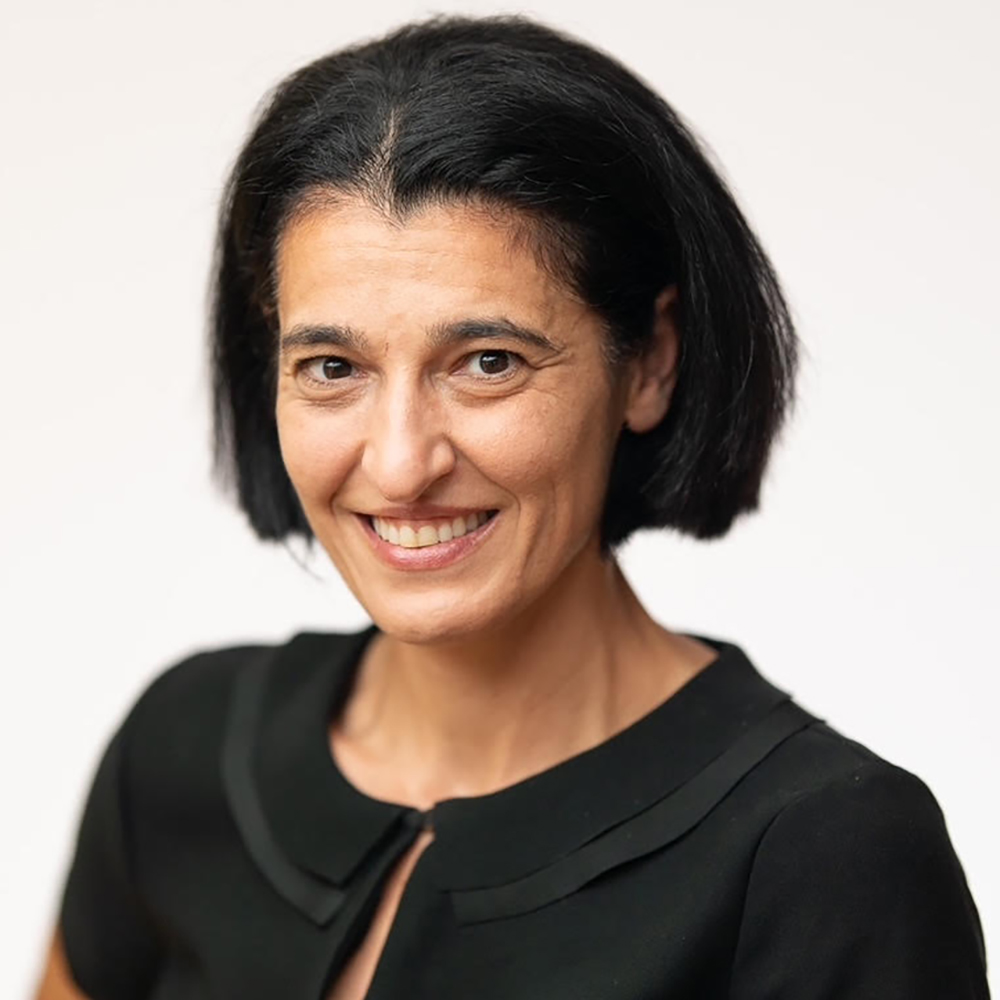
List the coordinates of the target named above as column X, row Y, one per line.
column 423, row 534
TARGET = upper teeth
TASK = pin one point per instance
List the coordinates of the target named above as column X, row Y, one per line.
column 416, row 535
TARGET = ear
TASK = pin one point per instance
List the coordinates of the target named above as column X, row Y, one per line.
column 653, row 374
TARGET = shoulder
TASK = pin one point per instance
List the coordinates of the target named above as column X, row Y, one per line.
column 869, row 812
column 174, row 728
column 164, row 750
column 195, row 688
column 841, row 829
column 180, row 716
column 859, row 845
column 818, row 775
column 832, row 796
column 822, row 765
column 856, row 889
column 189, row 694
column 197, row 673
column 855, row 884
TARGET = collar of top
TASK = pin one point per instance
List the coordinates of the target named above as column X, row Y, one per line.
column 313, row 834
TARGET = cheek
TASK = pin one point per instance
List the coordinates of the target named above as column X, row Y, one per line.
column 317, row 451
column 551, row 452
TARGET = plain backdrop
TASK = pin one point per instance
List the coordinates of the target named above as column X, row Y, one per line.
column 860, row 138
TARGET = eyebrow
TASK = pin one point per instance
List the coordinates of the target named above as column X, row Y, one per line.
column 439, row 335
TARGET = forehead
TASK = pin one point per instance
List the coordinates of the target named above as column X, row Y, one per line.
column 450, row 258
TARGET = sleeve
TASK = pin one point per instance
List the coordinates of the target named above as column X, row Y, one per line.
column 856, row 894
column 108, row 937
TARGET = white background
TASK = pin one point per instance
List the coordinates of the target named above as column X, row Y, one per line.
column 861, row 139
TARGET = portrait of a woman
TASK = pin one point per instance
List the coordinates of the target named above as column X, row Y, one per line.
column 482, row 309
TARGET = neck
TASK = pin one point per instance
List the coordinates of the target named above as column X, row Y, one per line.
column 426, row 722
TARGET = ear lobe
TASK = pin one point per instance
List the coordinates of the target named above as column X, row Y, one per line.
column 654, row 373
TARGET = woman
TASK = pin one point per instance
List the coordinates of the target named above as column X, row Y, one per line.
column 483, row 310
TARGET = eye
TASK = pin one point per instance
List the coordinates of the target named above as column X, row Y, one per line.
column 494, row 364
column 325, row 369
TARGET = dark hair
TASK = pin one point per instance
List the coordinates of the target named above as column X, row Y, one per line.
column 618, row 198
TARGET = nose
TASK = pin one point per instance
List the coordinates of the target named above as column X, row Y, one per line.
column 407, row 445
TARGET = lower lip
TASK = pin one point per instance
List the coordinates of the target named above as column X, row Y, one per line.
column 427, row 556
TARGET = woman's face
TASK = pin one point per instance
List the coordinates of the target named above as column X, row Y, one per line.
column 429, row 372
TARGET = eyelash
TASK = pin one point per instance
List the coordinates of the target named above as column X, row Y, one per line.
column 303, row 366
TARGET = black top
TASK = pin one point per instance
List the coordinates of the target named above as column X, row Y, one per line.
column 726, row 845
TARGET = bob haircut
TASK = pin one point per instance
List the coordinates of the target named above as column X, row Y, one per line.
column 597, row 172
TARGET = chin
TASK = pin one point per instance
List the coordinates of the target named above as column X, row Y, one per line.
column 423, row 624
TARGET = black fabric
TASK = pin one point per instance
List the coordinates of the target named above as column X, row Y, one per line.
column 650, row 830
column 319, row 900
column 729, row 844
column 110, row 942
